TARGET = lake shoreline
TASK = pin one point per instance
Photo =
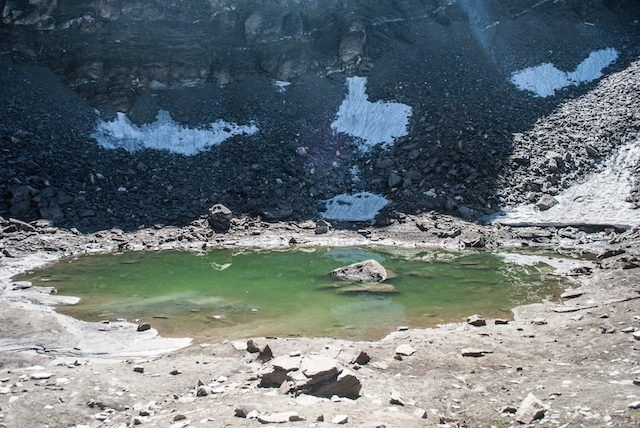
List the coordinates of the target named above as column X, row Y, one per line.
column 543, row 341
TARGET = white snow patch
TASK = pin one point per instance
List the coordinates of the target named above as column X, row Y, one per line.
column 375, row 123
column 165, row 134
column 362, row 206
column 600, row 199
column 281, row 86
column 560, row 266
column 545, row 79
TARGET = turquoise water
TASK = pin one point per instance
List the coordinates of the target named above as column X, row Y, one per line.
column 225, row 293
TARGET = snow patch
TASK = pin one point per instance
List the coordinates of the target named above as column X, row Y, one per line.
column 545, row 79
column 362, row 206
column 373, row 123
column 600, row 199
column 281, row 86
column 165, row 134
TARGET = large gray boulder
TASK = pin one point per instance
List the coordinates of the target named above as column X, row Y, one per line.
column 219, row 218
column 364, row 272
column 313, row 375
column 546, row 202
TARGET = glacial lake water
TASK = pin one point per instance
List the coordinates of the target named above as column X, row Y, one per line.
column 241, row 293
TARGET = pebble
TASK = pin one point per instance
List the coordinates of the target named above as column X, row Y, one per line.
column 144, row 327
column 476, row 321
column 396, row 398
column 571, row 294
column 473, row 352
column 340, row 419
column 40, row 375
column 420, row 413
column 405, row 349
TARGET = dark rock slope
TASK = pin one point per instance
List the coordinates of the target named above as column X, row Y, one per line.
column 205, row 60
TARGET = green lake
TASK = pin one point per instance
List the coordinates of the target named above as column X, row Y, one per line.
column 235, row 293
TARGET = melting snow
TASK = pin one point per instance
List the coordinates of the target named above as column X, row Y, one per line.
column 281, row 86
column 165, row 134
column 545, row 79
column 600, row 199
column 375, row 123
column 362, row 206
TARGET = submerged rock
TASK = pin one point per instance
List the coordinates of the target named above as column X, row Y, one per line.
column 375, row 288
column 365, row 271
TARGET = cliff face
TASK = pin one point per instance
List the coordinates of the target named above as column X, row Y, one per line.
column 109, row 49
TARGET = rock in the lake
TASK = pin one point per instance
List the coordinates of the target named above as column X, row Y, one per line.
column 531, row 409
column 219, row 218
column 476, row 321
column 365, row 272
column 405, row 350
column 546, row 202
column 372, row 288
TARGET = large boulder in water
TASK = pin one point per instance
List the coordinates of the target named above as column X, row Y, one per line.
column 219, row 218
column 365, row 271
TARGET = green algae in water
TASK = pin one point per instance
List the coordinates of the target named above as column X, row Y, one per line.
column 225, row 293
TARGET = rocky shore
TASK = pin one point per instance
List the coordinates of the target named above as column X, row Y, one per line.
column 555, row 363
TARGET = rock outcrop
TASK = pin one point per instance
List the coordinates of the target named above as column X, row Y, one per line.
column 313, row 375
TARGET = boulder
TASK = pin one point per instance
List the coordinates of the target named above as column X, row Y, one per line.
column 352, row 44
column 312, row 375
column 361, row 359
column 472, row 239
column 219, row 218
column 405, row 350
column 476, row 321
column 531, row 409
column 365, row 272
column 546, row 202
column 322, row 227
